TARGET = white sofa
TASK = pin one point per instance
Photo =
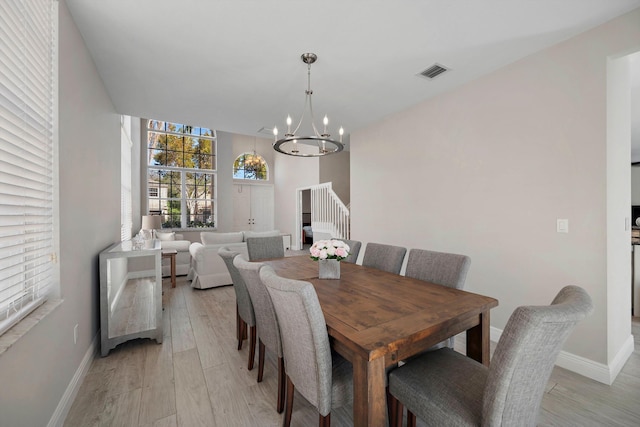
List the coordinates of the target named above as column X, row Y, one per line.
column 208, row 270
column 171, row 240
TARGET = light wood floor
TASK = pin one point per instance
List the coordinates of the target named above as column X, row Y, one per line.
column 198, row 378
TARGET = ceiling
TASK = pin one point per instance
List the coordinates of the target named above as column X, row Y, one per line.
column 235, row 65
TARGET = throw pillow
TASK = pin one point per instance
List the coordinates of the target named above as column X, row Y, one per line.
column 165, row 236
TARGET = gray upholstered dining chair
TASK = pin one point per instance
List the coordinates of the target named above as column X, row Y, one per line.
column 245, row 316
column 443, row 387
column 265, row 247
column 440, row 268
column 323, row 377
column 384, row 257
column 354, row 250
column 266, row 321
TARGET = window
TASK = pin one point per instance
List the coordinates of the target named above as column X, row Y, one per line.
column 28, row 59
column 181, row 163
column 250, row 166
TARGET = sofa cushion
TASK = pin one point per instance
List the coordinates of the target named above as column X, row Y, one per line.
column 213, row 238
column 248, row 234
column 165, row 236
column 178, row 245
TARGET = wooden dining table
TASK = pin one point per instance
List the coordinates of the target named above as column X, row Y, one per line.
column 375, row 319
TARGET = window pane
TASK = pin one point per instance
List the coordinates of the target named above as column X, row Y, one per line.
column 250, row 166
column 174, row 127
column 200, row 213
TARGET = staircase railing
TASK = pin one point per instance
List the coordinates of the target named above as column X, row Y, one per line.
column 328, row 213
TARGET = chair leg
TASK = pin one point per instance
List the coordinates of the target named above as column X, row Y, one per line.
column 252, row 347
column 411, row 419
column 243, row 328
column 282, row 379
column 237, row 323
column 392, row 408
column 396, row 409
column 286, row 422
column 260, row 360
column 399, row 414
column 325, row 421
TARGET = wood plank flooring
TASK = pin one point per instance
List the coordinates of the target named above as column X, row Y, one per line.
column 198, row 378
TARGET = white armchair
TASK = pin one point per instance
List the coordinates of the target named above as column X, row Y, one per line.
column 208, row 270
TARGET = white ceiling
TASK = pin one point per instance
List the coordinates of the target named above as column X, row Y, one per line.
column 235, row 65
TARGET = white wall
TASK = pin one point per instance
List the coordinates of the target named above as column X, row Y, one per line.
column 500, row 160
column 36, row 371
column 291, row 173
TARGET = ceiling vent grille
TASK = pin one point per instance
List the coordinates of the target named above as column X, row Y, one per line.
column 434, row 71
column 266, row 131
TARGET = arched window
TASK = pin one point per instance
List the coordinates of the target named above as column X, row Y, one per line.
column 250, row 166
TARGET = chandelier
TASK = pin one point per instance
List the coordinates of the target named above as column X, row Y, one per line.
column 320, row 144
column 253, row 163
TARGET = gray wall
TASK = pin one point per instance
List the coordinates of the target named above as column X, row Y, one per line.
column 39, row 367
column 501, row 159
column 335, row 169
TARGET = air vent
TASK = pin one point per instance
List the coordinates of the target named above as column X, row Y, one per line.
column 434, row 71
column 266, row 131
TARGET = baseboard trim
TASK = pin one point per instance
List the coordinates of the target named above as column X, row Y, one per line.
column 600, row 372
column 59, row 415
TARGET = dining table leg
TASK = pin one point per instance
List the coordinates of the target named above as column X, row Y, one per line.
column 478, row 343
column 369, row 395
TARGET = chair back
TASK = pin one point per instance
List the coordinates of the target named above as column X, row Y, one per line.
column 384, row 257
column 525, row 355
column 438, row 267
column 265, row 247
column 354, row 250
column 305, row 342
column 266, row 320
column 243, row 299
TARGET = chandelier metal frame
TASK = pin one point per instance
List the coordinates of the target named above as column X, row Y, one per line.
column 326, row 145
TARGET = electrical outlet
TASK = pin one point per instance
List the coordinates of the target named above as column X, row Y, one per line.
column 75, row 334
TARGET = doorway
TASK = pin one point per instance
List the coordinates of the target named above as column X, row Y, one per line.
column 618, row 223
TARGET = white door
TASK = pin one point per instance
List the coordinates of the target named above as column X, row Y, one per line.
column 253, row 207
column 241, row 207
column 262, row 207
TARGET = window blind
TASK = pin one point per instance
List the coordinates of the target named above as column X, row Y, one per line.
column 27, row 52
column 126, row 216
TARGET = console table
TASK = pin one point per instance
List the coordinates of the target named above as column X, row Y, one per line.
column 130, row 294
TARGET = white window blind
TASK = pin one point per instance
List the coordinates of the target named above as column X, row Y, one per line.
column 126, row 216
column 27, row 61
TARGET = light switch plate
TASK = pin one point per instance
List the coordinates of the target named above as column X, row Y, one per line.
column 562, row 226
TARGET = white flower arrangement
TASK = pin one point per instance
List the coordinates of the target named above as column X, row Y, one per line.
column 329, row 249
